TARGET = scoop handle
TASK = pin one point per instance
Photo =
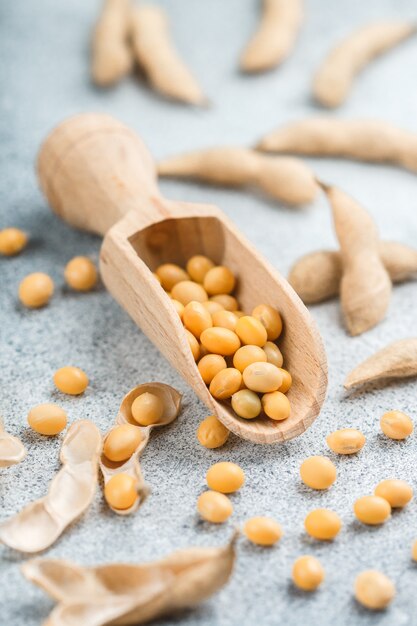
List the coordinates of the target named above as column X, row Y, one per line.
column 93, row 170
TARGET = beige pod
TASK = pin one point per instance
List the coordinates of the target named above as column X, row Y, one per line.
column 397, row 360
column 316, row 276
column 111, row 55
column 370, row 140
column 180, row 581
column 156, row 54
column 365, row 289
column 335, row 77
column 12, row 450
column 275, row 36
column 171, row 401
column 39, row 524
column 285, row 179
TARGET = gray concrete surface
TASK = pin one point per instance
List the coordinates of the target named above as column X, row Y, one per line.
column 45, row 77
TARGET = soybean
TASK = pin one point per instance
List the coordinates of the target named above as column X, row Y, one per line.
column 262, row 377
column 374, row 590
column 273, row 354
column 219, row 280
column 227, row 301
column 270, row 319
column 276, row 405
column 225, row 319
column 263, row 531
column 246, row 404
column 346, row 441
column 397, row 492
column 121, row 491
column 225, row 477
column 225, row 383
column 198, row 266
column 212, row 433
column 307, row 573
column 47, row 419
column 214, row 507
column 286, row 381
column 81, row 274
column 194, row 345
column 322, row 524
column 318, row 472
column 220, row 341
column 210, row 365
column 36, row 290
column 196, row 318
column 121, row 442
column 251, row 331
column 12, row 241
column 396, row 425
column 372, row 510
column 71, row 380
column 170, row 274
column 246, row 355
column 186, row 291
column 147, row 409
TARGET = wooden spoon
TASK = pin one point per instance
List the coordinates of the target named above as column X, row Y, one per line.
column 98, row 176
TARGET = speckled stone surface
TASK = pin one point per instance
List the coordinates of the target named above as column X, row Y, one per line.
column 44, row 78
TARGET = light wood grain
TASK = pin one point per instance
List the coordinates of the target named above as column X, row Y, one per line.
column 98, row 176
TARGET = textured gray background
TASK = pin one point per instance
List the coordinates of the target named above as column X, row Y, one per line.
column 44, row 78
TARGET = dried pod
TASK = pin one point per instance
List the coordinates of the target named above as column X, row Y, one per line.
column 171, row 400
column 111, row 56
column 334, row 78
column 362, row 139
column 397, row 360
column 155, row 53
column 275, row 36
column 12, row 450
column 365, row 289
column 131, row 594
column 40, row 523
column 316, row 276
column 286, row 179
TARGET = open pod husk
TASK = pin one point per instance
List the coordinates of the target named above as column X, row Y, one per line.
column 397, row 360
column 12, row 450
column 131, row 594
column 316, row 276
column 171, row 400
column 40, row 523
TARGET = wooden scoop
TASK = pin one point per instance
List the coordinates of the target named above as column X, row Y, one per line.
column 98, row 176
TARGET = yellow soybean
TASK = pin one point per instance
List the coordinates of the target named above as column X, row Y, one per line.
column 198, row 266
column 212, row 307
column 225, row 319
column 397, row 492
column 276, row 405
column 318, row 472
column 211, row 433
column 186, row 291
column 220, row 341
column 346, row 441
column 214, row 507
column 225, row 477
column 47, row 419
column 246, row 404
column 396, row 425
column 270, row 319
column 225, row 383
column 322, row 524
column 121, row 491
column 210, row 365
column 286, row 381
column 246, row 355
column 71, row 380
column 263, row 531
column 170, row 274
column 307, row 573
column 12, row 241
column 147, row 409
column 194, row 345
column 121, row 442
column 262, row 377
column 372, row 510
column 251, row 331
column 36, row 290
column 219, row 281
column 227, row 301
column 273, row 354
column 80, row 273
column 196, row 318
column 374, row 590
